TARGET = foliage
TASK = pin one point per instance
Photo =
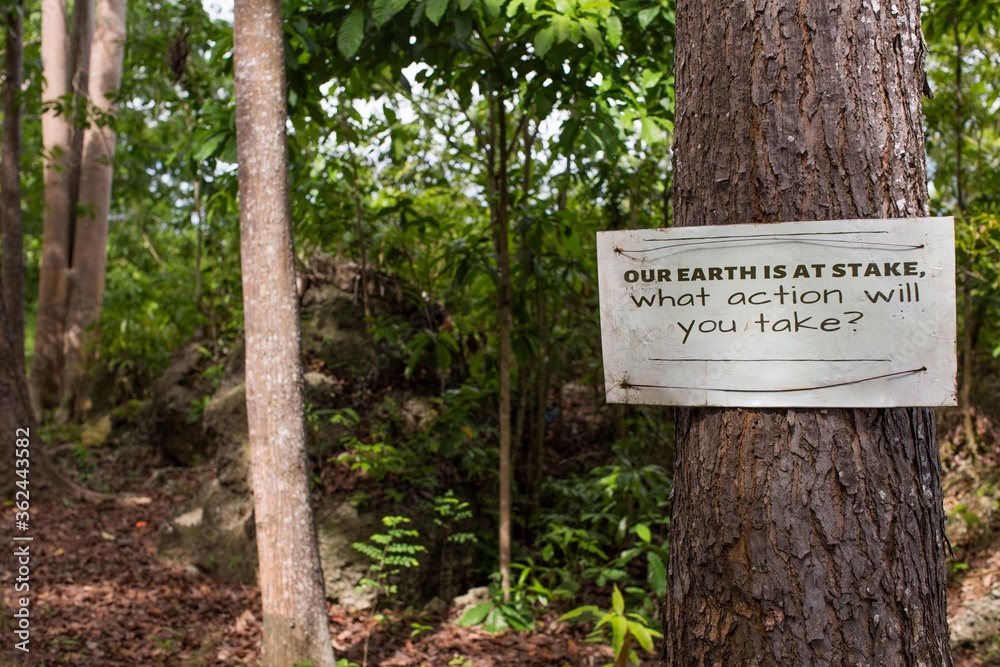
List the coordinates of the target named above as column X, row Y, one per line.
column 626, row 628
column 391, row 552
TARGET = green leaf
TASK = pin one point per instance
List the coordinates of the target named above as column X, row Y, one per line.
column 579, row 611
column 651, row 132
column 614, row 30
column 384, row 10
column 617, row 601
column 657, row 574
column 476, row 615
column 208, row 146
column 650, row 77
column 513, row 7
column 619, row 628
column 562, row 27
column 643, row 532
column 646, row 16
column 351, row 34
column 642, row 635
column 543, row 41
column 435, row 10
column 464, row 5
column 492, row 8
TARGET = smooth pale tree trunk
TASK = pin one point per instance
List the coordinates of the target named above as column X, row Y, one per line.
column 803, row 537
column 56, row 237
column 66, row 65
column 10, row 185
column 296, row 627
column 90, row 238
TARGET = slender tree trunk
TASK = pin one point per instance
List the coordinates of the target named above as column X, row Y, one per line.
column 56, row 143
column 10, row 185
column 296, row 627
column 803, row 537
column 966, row 353
column 90, row 240
column 499, row 197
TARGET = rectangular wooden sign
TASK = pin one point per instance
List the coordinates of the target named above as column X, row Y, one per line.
column 844, row 313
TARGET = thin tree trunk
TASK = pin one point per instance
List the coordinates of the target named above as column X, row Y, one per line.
column 966, row 353
column 80, row 49
column 499, row 206
column 57, row 145
column 803, row 537
column 296, row 626
column 90, row 240
column 10, row 185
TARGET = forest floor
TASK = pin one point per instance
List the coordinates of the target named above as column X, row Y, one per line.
column 101, row 598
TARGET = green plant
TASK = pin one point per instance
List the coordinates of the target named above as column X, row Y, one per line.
column 417, row 628
column 626, row 628
column 391, row 552
column 450, row 511
column 527, row 593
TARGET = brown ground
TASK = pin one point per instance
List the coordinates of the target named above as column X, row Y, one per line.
column 101, row 598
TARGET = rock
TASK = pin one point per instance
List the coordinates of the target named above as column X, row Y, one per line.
column 475, row 597
column 171, row 420
column 95, row 433
column 435, row 607
column 418, row 413
column 216, row 530
column 213, row 533
column 344, row 566
column 980, row 622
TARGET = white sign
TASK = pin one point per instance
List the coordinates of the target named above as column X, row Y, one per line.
column 846, row 313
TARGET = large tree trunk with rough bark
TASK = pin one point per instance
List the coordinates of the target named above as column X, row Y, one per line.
column 10, row 184
column 90, row 238
column 296, row 627
column 803, row 537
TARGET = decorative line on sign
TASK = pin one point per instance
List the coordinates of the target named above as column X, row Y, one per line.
column 771, row 235
column 786, row 238
column 624, row 384
column 745, row 360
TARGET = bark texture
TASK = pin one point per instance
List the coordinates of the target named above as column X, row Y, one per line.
column 90, row 237
column 803, row 537
column 57, row 145
column 66, row 67
column 296, row 627
column 10, row 185
column 14, row 409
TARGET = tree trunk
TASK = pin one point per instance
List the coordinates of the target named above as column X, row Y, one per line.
column 15, row 413
column 296, row 627
column 500, row 208
column 56, row 144
column 10, row 186
column 803, row 537
column 90, row 238
column 66, row 64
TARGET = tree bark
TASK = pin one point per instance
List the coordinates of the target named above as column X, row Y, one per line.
column 10, row 185
column 803, row 537
column 90, row 238
column 66, row 66
column 15, row 412
column 57, row 145
column 296, row 627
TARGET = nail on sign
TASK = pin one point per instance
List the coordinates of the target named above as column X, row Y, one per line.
column 844, row 313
